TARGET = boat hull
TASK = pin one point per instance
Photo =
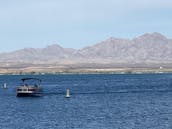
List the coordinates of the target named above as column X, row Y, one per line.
column 29, row 91
column 29, row 94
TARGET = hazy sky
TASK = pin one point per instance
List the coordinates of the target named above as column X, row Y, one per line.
column 79, row 23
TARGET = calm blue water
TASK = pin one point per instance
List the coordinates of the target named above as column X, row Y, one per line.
column 126, row 101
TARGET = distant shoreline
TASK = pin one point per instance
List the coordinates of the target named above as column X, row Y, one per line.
column 42, row 71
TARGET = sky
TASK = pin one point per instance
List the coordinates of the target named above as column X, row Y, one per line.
column 79, row 23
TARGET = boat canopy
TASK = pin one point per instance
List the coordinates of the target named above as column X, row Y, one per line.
column 24, row 79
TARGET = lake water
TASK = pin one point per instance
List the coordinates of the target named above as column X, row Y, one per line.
column 98, row 101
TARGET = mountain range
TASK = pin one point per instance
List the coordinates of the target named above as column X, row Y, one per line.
column 149, row 48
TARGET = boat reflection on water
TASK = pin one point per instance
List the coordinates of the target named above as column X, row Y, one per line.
column 30, row 87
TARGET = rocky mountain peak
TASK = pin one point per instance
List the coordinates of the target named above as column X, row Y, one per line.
column 54, row 46
column 154, row 36
column 150, row 47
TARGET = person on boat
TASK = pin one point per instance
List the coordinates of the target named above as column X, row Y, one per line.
column 26, row 85
column 35, row 85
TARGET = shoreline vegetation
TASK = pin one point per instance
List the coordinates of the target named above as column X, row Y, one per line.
column 41, row 70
